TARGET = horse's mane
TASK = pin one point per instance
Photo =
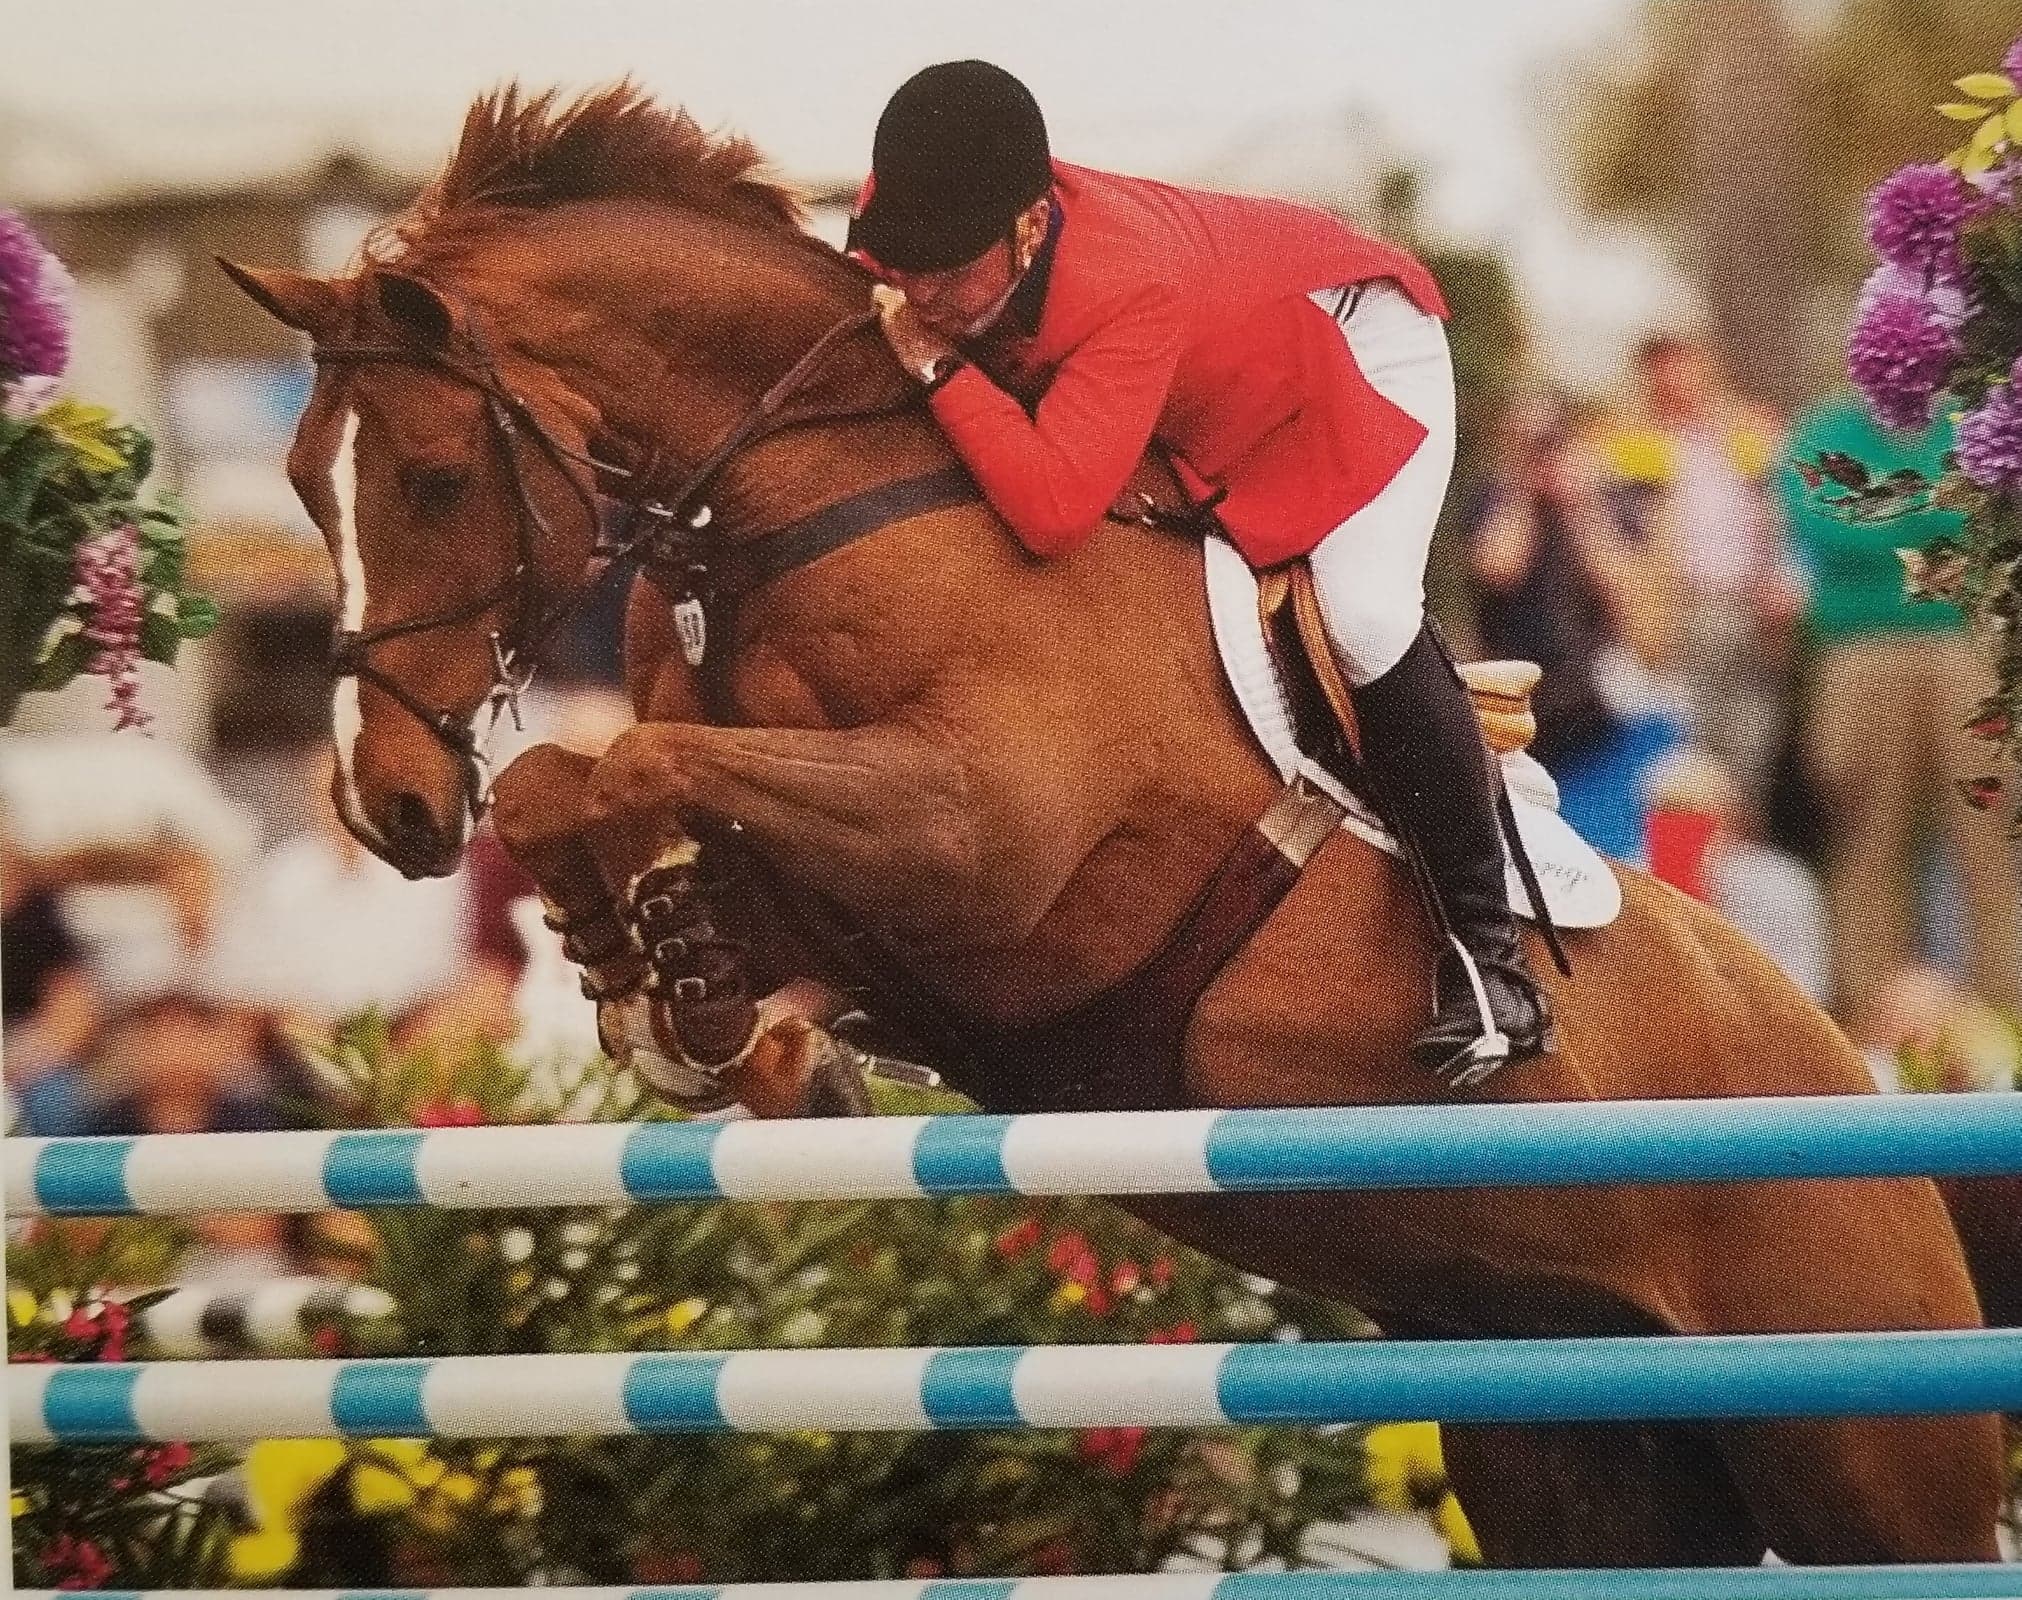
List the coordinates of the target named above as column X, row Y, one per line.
column 520, row 153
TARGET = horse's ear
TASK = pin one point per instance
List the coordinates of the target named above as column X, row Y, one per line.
column 305, row 303
column 415, row 308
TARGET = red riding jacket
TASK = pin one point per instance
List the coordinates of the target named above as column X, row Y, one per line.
column 1182, row 314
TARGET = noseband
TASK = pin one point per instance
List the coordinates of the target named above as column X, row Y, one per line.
column 673, row 536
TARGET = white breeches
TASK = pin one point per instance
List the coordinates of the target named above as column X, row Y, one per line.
column 1370, row 571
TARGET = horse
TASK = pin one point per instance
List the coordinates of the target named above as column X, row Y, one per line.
column 1007, row 780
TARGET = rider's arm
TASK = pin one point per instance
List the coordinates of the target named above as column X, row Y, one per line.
column 1051, row 476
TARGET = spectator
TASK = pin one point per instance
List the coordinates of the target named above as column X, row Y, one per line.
column 1558, row 582
column 324, row 929
column 49, row 1007
column 1690, row 464
column 1701, row 843
column 183, row 1058
column 1894, row 683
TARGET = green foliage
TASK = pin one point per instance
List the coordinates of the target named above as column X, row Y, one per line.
column 68, row 475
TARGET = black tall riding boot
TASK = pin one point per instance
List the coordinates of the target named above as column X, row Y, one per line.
column 1423, row 745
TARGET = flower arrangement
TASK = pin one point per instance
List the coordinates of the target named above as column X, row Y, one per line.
column 82, row 1518
column 1938, row 326
column 91, row 573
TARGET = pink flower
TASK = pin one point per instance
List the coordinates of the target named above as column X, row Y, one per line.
column 75, row 1563
column 108, row 574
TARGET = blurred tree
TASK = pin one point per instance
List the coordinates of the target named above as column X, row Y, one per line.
column 1746, row 141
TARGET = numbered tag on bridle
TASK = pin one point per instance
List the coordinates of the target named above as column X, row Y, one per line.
column 691, row 625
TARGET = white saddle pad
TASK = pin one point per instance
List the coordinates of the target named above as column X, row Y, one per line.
column 1579, row 886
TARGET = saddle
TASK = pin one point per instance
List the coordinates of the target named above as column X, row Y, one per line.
column 1288, row 602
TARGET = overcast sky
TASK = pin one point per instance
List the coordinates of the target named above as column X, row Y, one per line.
column 1157, row 86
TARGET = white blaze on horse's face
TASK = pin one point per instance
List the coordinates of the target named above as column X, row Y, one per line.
column 346, row 720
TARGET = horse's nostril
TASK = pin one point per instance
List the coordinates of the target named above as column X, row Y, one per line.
column 409, row 823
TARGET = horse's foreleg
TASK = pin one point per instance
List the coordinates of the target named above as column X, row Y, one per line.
column 540, row 814
column 538, row 811
column 883, row 820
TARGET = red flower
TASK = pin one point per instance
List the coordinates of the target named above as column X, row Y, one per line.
column 1114, row 1450
column 462, row 1112
column 163, row 1462
column 75, row 1563
column 672, row 1566
column 1067, row 1249
column 1052, row 1558
column 1161, row 1271
column 29, row 1355
column 328, row 1340
column 1127, row 1276
column 924, row 1567
column 1015, row 1240
column 1980, row 793
column 1098, row 1302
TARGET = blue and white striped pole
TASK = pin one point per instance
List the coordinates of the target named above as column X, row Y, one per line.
column 1058, row 1386
column 1116, row 1152
column 1645, row 1583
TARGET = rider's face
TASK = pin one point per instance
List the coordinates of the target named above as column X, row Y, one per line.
column 953, row 300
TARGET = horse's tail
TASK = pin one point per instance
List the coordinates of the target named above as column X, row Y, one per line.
column 1988, row 1215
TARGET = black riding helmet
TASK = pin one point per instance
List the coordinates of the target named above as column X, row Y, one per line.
column 960, row 151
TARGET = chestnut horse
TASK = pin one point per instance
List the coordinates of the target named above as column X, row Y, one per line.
column 1010, row 778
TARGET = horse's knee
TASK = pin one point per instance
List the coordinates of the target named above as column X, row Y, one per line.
column 540, row 795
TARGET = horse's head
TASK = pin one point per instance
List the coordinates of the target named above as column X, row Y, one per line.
column 453, row 488
column 585, row 284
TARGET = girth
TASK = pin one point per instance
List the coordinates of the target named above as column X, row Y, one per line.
column 1123, row 1049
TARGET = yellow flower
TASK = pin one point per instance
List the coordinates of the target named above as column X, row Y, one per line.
column 519, row 1493
column 21, row 1307
column 457, row 1489
column 1640, row 455
column 18, row 1505
column 84, row 429
column 281, row 1474
column 684, row 1315
column 1067, row 1295
column 390, row 1475
column 268, row 1553
column 1402, row 1465
column 1453, row 1527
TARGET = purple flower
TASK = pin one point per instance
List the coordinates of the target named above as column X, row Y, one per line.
column 108, row 572
column 34, row 304
column 1989, row 440
column 2011, row 63
column 1900, row 353
column 1914, row 217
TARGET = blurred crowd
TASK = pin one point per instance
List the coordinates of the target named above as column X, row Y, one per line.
column 1736, row 694
column 174, row 960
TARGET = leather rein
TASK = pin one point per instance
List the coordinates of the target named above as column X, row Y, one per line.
column 674, row 537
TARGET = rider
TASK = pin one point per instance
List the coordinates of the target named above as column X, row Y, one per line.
column 1295, row 371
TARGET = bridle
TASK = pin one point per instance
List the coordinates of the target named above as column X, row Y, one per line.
column 673, row 536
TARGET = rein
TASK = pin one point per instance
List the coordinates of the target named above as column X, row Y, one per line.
column 673, row 537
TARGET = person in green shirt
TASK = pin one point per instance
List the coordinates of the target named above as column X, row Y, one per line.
column 1895, row 682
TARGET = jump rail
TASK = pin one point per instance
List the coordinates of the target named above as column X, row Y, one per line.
column 1644, row 1583
column 1058, row 1386
column 1112, row 1153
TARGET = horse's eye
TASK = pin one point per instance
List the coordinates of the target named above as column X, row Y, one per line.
column 433, row 490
